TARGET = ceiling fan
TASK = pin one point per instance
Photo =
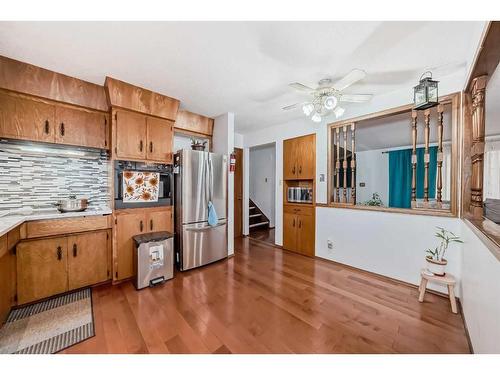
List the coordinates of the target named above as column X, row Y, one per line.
column 327, row 96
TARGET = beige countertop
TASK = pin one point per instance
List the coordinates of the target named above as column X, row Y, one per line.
column 7, row 223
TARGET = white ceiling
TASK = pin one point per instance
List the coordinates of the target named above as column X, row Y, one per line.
column 244, row 67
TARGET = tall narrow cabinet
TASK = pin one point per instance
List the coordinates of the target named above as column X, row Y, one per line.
column 299, row 166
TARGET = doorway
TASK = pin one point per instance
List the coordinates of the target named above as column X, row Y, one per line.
column 238, row 193
column 262, row 192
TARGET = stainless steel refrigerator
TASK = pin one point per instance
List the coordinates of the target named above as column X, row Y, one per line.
column 200, row 177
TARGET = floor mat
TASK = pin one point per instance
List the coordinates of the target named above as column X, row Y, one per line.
column 49, row 326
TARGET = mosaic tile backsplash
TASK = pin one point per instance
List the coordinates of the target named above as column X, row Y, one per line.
column 35, row 175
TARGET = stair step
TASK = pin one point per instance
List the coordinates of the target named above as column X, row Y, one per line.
column 251, row 208
column 258, row 224
column 255, row 215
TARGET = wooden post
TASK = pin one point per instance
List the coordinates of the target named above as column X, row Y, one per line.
column 439, row 186
column 353, row 164
column 427, row 129
column 337, row 164
column 414, row 159
column 344, row 166
column 477, row 154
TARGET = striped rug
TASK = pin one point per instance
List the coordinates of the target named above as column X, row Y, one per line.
column 49, row 326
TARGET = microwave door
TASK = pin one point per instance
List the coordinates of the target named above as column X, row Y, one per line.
column 194, row 171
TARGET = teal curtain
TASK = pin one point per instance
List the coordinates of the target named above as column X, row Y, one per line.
column 400, row 176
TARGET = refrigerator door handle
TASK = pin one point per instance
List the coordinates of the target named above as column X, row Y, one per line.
column 202, row 229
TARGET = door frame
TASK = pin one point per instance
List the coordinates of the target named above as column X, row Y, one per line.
column 239, row 201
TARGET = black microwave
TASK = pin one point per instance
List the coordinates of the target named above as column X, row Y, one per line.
column 165, row 183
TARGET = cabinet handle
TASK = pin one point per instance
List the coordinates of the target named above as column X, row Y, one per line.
column 293, row 170
column 141, row 145
column 150, row 146
column 75, row 250
column 300, row 223
column 293, row 222
column 61, row 129
column 141, row 225
column 151, row 224
column 300, row 169
column 46, row 129
column 59, row 253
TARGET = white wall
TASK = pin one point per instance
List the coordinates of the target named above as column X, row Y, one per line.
column 262, row 182
column 223, row 143
column 372, row 168
column 480, row 293
column 388, row 244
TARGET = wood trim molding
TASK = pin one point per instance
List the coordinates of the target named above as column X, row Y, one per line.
column 125, row 95
column 29, row 79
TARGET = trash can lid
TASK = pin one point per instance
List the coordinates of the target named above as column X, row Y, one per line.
column 152, row 237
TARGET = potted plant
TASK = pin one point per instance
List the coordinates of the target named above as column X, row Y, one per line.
column 436, row 263
column 375, row 201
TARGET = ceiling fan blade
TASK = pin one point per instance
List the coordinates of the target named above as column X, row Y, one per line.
column 355, row 98
column 352, row 77
column 292, row 106
column 300, row 87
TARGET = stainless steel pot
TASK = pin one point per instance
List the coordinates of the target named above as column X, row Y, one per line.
column 72, row 204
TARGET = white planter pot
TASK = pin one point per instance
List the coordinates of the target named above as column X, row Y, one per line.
column 436, row 267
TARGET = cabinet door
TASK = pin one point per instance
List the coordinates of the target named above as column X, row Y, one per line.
column 305, row 153
column 289, row 159
column 130, row 135
column 127, row 226
column 88, row 259
column 41, row 269
column 305, row 234
column 22, row 118
column 160, row 140
column 290, row 231
column 81, row 128
column 160, row 220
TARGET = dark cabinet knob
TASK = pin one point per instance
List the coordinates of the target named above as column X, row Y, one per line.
column 300, row 169
column 61, row 129
column 59, row 253
column 141, row 225
column 75, row 250
column 293, row 170
column 150, row 146
column 293, row 222
column 46, row 128
column 141, row 145
column 151, row 224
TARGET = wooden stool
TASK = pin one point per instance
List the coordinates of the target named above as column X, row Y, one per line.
column 447, row 279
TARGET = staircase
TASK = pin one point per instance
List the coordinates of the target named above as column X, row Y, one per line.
column 257, row 219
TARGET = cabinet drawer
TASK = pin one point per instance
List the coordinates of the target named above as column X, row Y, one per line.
column 307, row 211
column 54, row 227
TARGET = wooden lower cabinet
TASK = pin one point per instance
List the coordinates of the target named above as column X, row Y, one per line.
column 41, row 268
column 131, row 222
column 88, row 259
column 299, row 230
column 50, row 266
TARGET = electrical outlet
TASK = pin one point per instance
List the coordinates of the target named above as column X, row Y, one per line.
column 329, row 244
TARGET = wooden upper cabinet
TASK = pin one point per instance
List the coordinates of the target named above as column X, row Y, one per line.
column 127, row 226
column 305, row 154
column 88, row 259
column 41, row 269
column 289, row 159
column 194, row 123
column 299, row 158
column 131, row 135
column 159, row 140
column 81, row 127
column 26, row 119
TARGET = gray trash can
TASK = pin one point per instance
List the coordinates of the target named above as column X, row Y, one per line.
column 153, row 258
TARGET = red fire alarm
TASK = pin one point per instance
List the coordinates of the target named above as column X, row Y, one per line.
column 232, row 162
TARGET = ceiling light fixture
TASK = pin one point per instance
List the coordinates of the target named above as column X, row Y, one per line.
column 339, row 111
column 316, row 117
column 330, row 102
column 307, row 108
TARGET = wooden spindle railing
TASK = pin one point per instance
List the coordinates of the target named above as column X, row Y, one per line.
column 337, row 164
column 427, row 116
column 439, row 185
column 414, row 159
column 344, row 166
column 353, row 164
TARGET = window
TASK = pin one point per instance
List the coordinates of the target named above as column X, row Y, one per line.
column 397, row 160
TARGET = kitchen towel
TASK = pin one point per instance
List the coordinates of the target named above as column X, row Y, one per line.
column 212, row 215
column 140, row 186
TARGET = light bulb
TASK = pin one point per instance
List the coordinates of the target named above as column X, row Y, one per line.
column 339, row 111
column 307, row 108
column 330, row 102
column 316, row 117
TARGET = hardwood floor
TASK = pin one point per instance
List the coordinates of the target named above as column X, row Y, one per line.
column 265, row 300
column 266, row 235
